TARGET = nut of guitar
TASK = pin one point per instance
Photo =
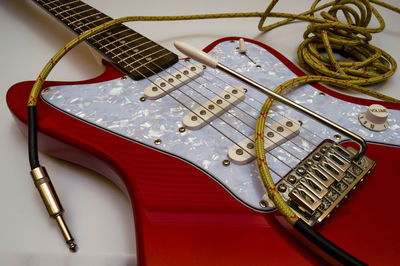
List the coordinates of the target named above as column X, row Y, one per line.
column 322, row 180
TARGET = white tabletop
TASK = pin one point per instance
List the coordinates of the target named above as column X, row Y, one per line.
column 97, row 212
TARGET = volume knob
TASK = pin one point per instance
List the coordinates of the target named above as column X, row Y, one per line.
column 375, row 118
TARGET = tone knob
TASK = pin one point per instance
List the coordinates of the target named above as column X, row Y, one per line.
column 375, row 118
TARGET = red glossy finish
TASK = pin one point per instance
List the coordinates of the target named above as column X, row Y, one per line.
column 183, row 217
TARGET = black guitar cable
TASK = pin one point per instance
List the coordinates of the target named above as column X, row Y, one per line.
column 43, row 183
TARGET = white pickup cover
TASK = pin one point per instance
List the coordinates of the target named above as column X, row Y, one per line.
column 210, row 110
column 275, row 134
column 172, row 81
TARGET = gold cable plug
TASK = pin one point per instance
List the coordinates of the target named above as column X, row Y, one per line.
column 49, row 196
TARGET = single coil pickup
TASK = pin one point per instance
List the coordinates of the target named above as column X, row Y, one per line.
column 210, row 110
column 172, row 82
column 276, row 134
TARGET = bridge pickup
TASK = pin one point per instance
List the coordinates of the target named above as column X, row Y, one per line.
column 276, row 134
column 172, row 81
column 322, row 180
column 210, row 110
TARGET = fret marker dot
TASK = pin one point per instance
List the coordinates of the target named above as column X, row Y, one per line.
column 79, row 23
column 122, row 42
column 136, row 50
column 148, row 58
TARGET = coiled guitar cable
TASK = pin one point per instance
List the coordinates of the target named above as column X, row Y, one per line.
column 327, row 34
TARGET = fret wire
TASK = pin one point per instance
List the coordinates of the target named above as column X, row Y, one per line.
column 70, row 9
column 132, row 48
column 71, row 17
column 147, row 56
column 77, row 14
column 63, row 5
column 91, row 22
column 51, row 2
column 111, row 50
column 105, row 37
column 98, row 13
column 120, row 39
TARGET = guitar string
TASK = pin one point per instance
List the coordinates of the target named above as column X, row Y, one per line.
column 125, row 58
column 236, row 107
column 118, row 47
column 153, row 62
column 217, row 77
column 135, row 47
column 219, row 130
column 86, row 17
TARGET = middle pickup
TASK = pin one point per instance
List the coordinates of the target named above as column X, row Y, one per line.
column 276, row 134
column 210, row 110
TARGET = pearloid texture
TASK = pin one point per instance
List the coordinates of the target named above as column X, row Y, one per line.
column 115, row 106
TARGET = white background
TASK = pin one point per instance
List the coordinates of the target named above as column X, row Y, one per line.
column 97, row 212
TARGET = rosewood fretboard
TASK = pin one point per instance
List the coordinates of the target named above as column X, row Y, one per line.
column 133, row 53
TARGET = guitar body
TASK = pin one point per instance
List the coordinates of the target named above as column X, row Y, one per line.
column 184, row 217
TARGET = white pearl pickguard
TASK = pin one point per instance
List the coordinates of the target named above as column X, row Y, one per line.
column 115, row 106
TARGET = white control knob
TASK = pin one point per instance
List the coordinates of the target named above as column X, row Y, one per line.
column 375, row 118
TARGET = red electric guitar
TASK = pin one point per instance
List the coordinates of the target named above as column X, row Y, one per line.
column 179, row 137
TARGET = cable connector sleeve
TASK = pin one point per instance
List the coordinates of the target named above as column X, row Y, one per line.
column 50, row 199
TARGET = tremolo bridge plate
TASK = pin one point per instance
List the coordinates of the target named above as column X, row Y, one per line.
column 322, row 180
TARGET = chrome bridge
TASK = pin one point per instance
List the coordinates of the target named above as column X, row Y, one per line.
column 322, row 180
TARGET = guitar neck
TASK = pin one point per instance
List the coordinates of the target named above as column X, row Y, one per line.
column 130, row 51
